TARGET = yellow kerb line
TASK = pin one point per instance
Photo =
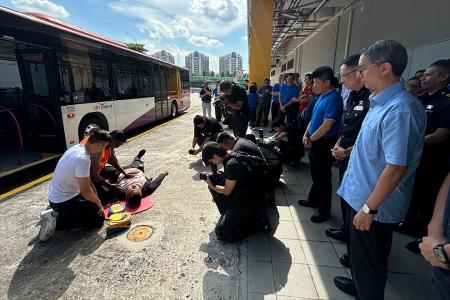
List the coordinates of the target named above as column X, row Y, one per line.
column 46, row 177
column 25, row 186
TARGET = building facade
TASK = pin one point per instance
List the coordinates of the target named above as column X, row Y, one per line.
column 228, row 64
column 197, row 63
column 165, row 56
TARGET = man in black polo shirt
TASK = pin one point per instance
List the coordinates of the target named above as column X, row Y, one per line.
column 265, row 97
column 288, row 137
column 236, row 99
column 205, row 95
column 356, row 109
column 432, row 168
column 229, row 142
column 205, row 129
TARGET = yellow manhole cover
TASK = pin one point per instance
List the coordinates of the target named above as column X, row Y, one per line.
column 140, row 233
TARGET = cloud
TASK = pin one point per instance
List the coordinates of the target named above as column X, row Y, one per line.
column 244, row 38
column 204, row 41
column 199, row 22
column 42, row 6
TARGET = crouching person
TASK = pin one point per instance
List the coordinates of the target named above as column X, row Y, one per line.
column 73, row 198
column 238, row 197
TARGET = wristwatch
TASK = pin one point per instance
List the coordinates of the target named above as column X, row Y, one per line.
column 366, row 209
column 440, row 254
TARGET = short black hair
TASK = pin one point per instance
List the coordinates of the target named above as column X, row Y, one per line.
column 134, row 200
column 198, row 120
column 308, row 75
column 225, row 85
column 118, row 135
column 267, row 79
column 325, row 73
column 211, row 148
column 252, row 88
column 224, row 136
column 420, row 71
column 352, row 60
column 443, row 65
column 277, row 123
column 97, row 135
column 389, row 51
column 413, row 78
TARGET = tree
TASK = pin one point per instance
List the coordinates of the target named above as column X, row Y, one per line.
column 212, row 73
column 137, row 47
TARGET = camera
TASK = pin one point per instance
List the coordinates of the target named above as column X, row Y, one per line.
column 214, row 176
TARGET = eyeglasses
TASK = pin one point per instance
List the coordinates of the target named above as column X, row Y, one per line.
column 343, row 75
column 360, row 69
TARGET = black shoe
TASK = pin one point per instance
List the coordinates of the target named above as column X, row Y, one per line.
column 141, row 153
column 413, row 246
column 336, row 234
column 345, row 261
column 319, row 216
column 306, row 203
column 346, row 285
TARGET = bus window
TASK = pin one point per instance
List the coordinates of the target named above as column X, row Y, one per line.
column 156, row 77
column 145, row 84
column 164, row 77
column 85, row 79
column 125, row 85
column 10, row 84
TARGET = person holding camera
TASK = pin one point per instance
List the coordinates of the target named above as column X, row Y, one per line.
column 205, row 130
column 243, row 145
column 236, row 193
column 287, row 137
column 205, row 95
column 237, row 101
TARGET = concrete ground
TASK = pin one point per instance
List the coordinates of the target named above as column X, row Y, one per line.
column 183, row 259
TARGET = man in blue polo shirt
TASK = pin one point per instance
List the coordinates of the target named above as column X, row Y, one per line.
column 378, row 182
column 320, row 137
column 275, row 95
column 288, row 101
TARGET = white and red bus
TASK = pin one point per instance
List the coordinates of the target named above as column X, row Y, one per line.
column 57, row 80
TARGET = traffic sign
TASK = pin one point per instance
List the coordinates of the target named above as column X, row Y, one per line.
column 239, row 72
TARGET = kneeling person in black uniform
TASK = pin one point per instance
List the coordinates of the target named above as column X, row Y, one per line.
column 229, row 142
column 205, row 129
column 288, row 137
column 238, row 197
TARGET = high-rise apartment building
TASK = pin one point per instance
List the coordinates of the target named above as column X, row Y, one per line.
column 228, row 64
column 197, row 63
column 165, row 56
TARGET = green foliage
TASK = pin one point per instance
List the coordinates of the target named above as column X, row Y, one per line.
column 137, row 47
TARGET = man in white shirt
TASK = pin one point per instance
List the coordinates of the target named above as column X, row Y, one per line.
column 72, row 196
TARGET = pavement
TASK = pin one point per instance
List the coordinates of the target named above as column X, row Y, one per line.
column 183, row 259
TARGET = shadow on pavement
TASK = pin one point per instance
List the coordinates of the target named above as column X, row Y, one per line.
column 44, row 273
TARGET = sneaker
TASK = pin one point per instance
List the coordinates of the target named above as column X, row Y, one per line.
column 48, row 224
column 141, row 153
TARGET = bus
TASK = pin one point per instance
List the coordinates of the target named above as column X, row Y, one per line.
column 57, row 81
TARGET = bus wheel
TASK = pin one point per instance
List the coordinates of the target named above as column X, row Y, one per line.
column 89, row 123
column 174, row 110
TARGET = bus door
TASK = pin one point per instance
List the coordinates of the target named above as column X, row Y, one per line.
column 41, row 100
column 159, row 97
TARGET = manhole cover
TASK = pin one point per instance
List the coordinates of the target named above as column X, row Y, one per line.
column 140, row 233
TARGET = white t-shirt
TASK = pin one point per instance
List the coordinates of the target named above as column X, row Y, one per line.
column 74, row 163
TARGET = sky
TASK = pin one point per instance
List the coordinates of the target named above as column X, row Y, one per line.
column 212, row 27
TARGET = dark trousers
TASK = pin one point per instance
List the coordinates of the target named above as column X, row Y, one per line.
column 275, row 108
column 218, row 112
column 77, row 213
column 320, row 163
column 240, row 124
column 368, row 252
column 263, row 113
column 441, row 284
column 429, row 176
column 343, row 164
column 235, row 222
column 291, row 114
column 252, row 116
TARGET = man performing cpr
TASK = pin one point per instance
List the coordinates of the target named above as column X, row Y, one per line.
column 72, row 196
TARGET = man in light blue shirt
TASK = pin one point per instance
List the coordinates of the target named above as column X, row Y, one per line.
column 379, row 179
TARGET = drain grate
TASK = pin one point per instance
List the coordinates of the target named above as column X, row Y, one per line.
column 140, row 233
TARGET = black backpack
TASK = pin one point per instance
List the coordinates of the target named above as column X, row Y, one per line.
column 272, row 154
column 257, row 166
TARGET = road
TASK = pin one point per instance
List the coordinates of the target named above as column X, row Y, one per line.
column 182, row 259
